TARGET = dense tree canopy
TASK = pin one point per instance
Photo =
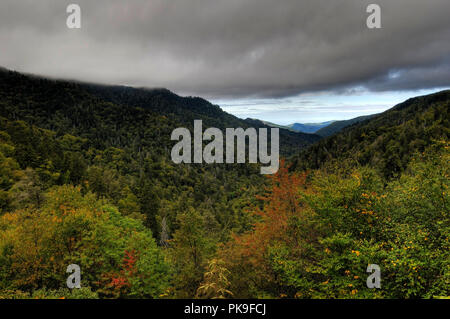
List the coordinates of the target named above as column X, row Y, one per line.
column 86, row 178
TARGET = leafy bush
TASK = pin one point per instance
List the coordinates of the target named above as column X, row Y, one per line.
column 36, row 246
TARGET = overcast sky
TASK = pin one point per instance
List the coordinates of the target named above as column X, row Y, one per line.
column 279, row 60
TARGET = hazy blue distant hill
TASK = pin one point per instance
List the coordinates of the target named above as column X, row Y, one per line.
column 337, row 126
column 309, row 127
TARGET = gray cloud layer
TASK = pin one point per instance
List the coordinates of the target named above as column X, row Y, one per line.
column 225, row 48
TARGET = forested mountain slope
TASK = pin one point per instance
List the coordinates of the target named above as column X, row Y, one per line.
column 116, row 115
column 75, row 144
column 68, row 133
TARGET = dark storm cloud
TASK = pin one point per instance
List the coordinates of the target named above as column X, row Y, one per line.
column 220, row 48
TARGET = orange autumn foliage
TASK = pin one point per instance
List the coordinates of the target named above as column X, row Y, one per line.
column 117, row 283
column 281, row 202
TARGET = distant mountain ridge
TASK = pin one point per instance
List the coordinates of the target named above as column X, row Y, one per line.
column 386, row 141
column 271, row 124
column 337, row 126
column 309, row 127
column 323, row 129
